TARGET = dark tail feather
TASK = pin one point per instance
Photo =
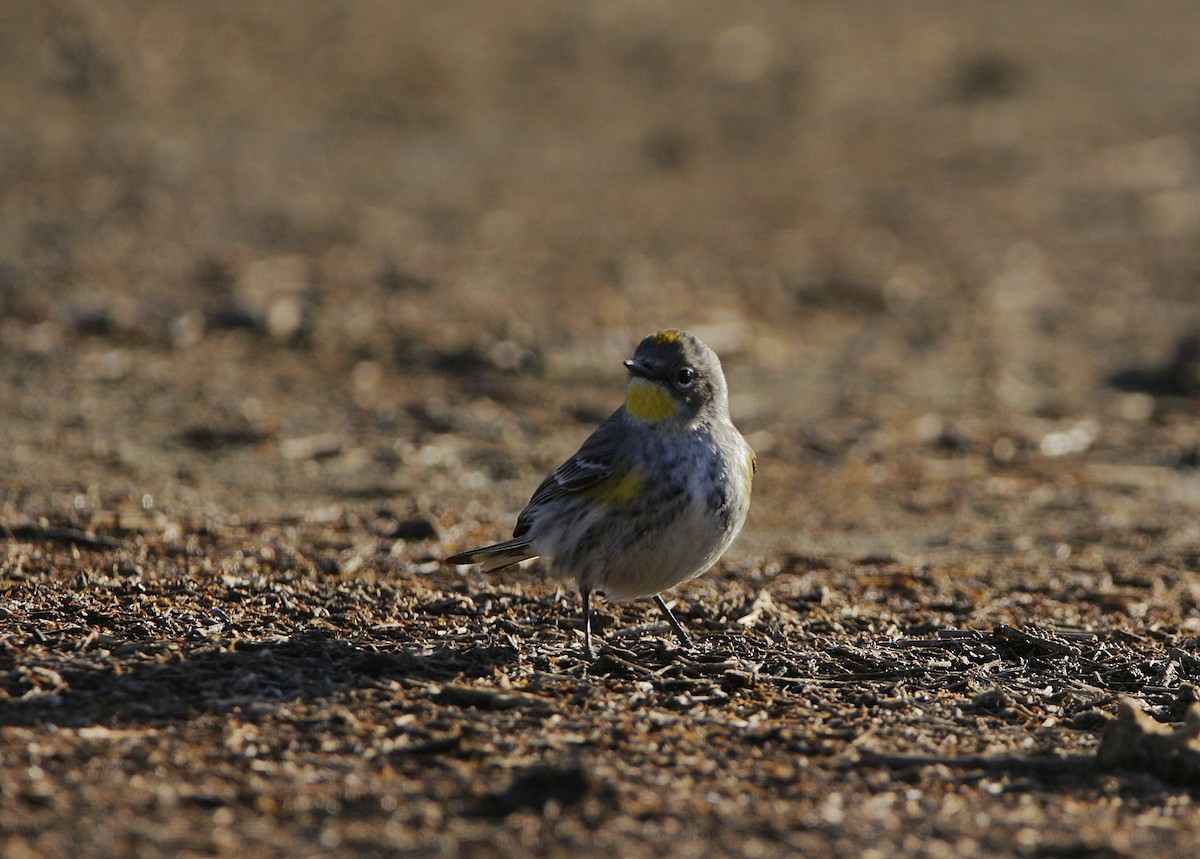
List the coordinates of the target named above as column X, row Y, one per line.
column 496, row 557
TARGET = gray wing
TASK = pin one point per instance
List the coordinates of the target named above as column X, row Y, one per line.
column 591, row 463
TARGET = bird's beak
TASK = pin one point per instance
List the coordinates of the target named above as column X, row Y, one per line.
column 639, row 368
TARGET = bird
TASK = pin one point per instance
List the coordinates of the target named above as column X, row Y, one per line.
column 654, row 496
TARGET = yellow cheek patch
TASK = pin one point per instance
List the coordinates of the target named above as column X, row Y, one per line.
column 647, row 401
column 619, row 492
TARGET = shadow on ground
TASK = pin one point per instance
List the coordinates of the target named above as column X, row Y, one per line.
column 250, row 678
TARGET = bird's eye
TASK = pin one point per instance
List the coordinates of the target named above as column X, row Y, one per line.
column 685, row 377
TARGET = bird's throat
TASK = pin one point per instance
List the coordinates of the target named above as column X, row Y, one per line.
column 647, row 401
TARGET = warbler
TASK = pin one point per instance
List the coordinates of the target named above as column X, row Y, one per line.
column 653, row 497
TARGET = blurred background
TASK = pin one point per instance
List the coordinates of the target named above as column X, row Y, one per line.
column 383, row 260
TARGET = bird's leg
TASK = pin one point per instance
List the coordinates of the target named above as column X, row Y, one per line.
column 586, row 593
column 680, row 632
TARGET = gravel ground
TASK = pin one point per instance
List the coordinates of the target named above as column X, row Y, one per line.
column 294, row 305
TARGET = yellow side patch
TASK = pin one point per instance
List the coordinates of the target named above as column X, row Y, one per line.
column 751, row 467
column 647, row 401
column 618, row 492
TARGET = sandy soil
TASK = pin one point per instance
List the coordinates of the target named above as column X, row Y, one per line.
column 293, row 303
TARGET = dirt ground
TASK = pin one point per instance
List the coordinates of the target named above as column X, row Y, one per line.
column 295, row 300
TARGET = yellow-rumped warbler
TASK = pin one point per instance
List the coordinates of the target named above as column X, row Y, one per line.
column 655, row 495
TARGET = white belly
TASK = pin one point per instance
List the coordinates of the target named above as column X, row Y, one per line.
column 624, row 565
column 663, row 560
